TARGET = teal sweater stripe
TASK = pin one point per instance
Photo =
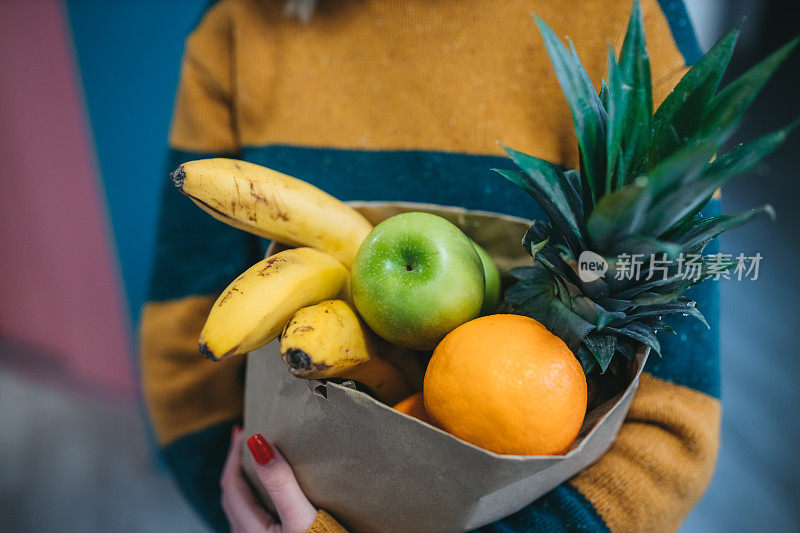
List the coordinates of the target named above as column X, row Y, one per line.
column 691, row 356
column 196, row 463
column 682, row 30
column 562, row 510
column 443, row 178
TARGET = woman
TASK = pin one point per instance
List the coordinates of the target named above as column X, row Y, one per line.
column 388, row 100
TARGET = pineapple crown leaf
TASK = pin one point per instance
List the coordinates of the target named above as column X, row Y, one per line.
column 630, row 106
column 728, row 106
column 589, row 116
column 696, row 234
column 602, row 347
column 642, row 181
column 639, row 331
column 676, row 117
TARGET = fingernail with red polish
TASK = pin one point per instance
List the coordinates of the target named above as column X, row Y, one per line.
column 260, row 448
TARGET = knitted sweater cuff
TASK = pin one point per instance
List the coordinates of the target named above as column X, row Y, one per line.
column 325, row 523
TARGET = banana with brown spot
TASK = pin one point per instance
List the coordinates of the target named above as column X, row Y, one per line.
column 329, row 340
column 255, row 307
column 265, row 202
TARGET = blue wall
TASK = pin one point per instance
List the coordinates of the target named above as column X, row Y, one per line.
column 129, row 55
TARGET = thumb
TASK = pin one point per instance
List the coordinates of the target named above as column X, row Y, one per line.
column 295, row 511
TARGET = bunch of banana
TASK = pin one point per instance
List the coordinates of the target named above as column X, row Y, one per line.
column 273, row 205
column 254, row 308
column 329, row 340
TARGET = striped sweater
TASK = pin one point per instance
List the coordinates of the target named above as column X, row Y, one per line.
column 405, row 100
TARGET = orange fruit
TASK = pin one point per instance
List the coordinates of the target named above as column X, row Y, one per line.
column 508, row 385
column 414, row 406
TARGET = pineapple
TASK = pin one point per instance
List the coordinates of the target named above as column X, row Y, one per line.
column 643, row 179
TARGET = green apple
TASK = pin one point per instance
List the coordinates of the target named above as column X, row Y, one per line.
column 491, row 292
column 416, row 277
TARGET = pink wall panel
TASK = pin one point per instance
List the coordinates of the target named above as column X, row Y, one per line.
column 58, row 276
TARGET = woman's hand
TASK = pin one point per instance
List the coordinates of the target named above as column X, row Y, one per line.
column 240, row 504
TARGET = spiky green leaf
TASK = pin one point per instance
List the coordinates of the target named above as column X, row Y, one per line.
column 522, row 273
column 677, row 119
column 588, row 124
column 594, row 97
column 673, row 185
column 604, row 93
column 639, row 332
column 644, row 246
column 727, row 108
column 619, row 213
column 668, row 286
column 745, row 156
column 602, row 348
column 627, row 348
column 672, row 210
column 586, row 359
column 550, row 188
column 630, row 104
column 694, row 237
column 640, row 186
column 537, row 244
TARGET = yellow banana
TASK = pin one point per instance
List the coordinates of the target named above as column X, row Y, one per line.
column 254, row 308
column 329, row 340
column 273, row 205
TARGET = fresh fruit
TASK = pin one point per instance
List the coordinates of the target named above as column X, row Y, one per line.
column 273, row 205
column 506, row 384
column 415, row 278
column 254, row 308
column 412, row 364
column 491, row 291
column 642, row 181
column 414, row 406
column 329, row 340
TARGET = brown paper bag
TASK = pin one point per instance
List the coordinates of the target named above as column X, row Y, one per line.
column 376, row 469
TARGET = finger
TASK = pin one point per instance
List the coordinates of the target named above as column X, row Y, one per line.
column 234, row 457
column 294, row 510
column 238, row 500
